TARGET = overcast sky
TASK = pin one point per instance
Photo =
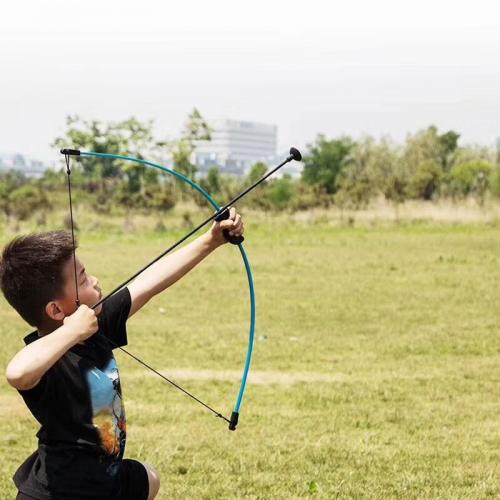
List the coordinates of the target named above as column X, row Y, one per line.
column 352, row 67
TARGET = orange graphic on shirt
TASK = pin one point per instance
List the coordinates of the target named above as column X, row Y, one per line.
column 109, row 440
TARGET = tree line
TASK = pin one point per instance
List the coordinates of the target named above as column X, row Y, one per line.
column 338, row 172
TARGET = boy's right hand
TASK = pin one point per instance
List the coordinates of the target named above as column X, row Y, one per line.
column 83, row 322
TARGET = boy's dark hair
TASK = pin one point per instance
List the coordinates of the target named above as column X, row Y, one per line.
column 31, row 272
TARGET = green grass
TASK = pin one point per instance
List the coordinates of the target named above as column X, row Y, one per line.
column 376, row 372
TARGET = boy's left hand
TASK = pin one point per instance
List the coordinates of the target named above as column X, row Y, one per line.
column 234, row 225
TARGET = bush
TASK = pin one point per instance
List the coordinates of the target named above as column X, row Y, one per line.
column 467, row 177
column 28, row 200
column 353, row 193
column 494, row 182
column 308, row 196
column 426, row 181
column 395, row 189
column 281, row 192
column 160, row 198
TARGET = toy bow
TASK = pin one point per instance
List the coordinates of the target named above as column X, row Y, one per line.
column 220, row 214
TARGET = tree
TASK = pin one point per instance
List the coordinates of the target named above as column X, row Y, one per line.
column 395, row 191
column 468, row 176
column 195, row 130
column 257, row 171
column 374, row 161
column 27, row 201
column 421, row 147
column 9, row 182
column 127, row 138
column 308, row 196
column 325, row 161
column 494, row 182
column 281, row 192
column 353, row 193
column 213, row 180
column 426, row 180
column 159, row 198
column 448, row 143
column 212, row 185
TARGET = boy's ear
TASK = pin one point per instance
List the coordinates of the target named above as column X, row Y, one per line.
column 54, row 311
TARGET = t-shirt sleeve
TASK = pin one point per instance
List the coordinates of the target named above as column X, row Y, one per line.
column 43, row 391
column 113, row 318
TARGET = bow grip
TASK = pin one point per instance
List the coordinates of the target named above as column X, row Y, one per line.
column 234, row 240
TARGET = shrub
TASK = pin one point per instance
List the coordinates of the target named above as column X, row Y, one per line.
column 353, row 193
column 28, row 200
column 281, row 192
column 494, row 182
column 426, row 180
column 308, row 196
column 467, row 176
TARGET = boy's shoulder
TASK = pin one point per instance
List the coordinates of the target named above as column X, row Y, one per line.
column 30, row 338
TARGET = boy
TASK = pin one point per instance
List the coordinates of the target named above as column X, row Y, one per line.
column 68, row 376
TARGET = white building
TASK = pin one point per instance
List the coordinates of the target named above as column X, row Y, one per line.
column 236, row 146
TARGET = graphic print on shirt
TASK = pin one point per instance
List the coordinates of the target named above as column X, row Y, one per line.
column 108, row 412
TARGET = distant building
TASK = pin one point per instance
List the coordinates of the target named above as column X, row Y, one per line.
column 21, row 163
column 236, row 146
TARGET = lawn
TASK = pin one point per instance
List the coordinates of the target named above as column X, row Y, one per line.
column 375, row 372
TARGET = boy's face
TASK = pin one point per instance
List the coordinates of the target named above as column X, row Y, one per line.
column 89, row 292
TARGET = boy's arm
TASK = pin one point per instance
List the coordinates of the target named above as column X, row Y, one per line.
column 31, row 363
column 173, row 267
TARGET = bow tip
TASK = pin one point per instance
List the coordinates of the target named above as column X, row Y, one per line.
column 234, row 421
column 70, row 152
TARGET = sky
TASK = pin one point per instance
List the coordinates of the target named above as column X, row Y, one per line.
column 378, row 67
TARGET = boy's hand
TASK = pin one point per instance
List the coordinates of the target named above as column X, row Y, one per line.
column 234, row 225
column 83, row 322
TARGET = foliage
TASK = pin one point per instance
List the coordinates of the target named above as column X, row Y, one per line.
column 159, row 197
column 426, row 181
column 195, row 130
column 353, row 193
column 27, row 201
column 468, row 176
column 494, row 182
column 257, row 171
column 9, row 182
column 213, row 181
column 396, row 189
column 307, row 196
column 419, row 148
column 339, row 170
column 281, row 192
column 374, row 161
column 448, row 145
column 127, row 138
column 326, row 161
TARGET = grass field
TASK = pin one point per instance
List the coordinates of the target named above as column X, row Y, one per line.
column 375, row 371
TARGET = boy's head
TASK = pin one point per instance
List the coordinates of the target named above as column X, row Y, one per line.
column 37, row 278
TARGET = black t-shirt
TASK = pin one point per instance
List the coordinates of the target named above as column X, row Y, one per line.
column 78, row 404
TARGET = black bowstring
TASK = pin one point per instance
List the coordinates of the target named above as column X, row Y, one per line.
column 68, row 172
column 219, row 415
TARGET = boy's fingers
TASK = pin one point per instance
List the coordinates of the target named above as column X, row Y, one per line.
column 232, row 213
column 237, row 230
column 227, row 224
